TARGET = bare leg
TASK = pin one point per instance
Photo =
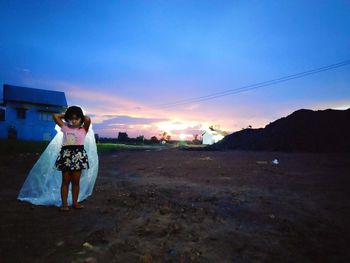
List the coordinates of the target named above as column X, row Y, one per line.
column 75, row 188
column 66, row 178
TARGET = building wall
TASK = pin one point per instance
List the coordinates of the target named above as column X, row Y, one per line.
column 38, row 124
column 209, row 138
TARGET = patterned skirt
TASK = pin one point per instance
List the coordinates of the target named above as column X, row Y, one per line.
column 72, row 158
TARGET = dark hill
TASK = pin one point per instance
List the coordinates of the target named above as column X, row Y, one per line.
column 302, row 131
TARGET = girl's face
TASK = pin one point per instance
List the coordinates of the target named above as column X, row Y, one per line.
column 75, row 121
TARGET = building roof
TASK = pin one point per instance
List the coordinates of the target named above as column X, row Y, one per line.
column 35, row 96
column 214, row 132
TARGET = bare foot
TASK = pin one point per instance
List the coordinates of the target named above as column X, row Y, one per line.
column 78, row 206
column 64, row 208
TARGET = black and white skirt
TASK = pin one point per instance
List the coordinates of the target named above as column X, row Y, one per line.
column 72, row 158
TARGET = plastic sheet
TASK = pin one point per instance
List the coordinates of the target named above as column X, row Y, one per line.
column 43, row 183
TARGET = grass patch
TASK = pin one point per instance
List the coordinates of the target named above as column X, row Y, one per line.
column 105, row 147
column 22, row 146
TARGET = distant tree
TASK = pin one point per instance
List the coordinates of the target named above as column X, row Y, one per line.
column 154, row 139
column 163, row 135
column 140, row 138
column 196, row 139
column 248, row 127
column 123, row 137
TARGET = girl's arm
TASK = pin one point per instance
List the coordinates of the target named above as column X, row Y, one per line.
column 87, row 122
column 57, row 117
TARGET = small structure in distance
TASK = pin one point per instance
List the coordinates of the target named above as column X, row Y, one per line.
column 212, row 135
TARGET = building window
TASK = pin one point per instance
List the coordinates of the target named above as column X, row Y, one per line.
column 21, row 113
column 2, row 114
column 45, row 116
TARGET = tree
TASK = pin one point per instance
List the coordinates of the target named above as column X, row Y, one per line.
column 123, row 137
column 195, row 139
column 163, row 135
column 140, row 138
column 248, row 127
column 154, row 139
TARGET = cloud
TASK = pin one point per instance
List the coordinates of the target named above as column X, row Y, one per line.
column 342, row 104
column 192, row 106
column 131, row 120
column 133, row 125
column 148, row 127
column 112, row 113
column 198, row 129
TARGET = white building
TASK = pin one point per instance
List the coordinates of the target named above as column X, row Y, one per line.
column 211, row 135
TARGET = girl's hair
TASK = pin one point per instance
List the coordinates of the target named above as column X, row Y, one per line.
column 74, row 110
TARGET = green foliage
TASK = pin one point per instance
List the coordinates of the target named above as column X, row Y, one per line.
column 105, row 147
column 21, row 146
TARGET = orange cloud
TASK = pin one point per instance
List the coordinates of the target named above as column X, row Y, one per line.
column 106, row 106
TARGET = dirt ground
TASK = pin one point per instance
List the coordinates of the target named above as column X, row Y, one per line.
column 187, row 206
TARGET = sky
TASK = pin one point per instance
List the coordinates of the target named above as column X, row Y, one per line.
column 126, row 62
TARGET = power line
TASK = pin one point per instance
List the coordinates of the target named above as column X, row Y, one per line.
column 254, row 86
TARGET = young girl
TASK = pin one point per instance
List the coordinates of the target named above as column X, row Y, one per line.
column 70, row 157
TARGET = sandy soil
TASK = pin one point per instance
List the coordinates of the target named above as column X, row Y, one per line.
column 187, row 206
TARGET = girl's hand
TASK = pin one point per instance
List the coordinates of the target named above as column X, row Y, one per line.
column 57, row 117
column 87, row 122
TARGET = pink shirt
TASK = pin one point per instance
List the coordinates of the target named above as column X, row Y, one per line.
column 73, row 136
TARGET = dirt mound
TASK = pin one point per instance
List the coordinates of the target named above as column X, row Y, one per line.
column 302, row 131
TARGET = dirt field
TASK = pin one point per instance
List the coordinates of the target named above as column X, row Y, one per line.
column 187, row 206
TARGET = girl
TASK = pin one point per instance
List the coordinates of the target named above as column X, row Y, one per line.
column 70, row 157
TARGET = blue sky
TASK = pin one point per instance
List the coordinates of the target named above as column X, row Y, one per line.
column 120, row 60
